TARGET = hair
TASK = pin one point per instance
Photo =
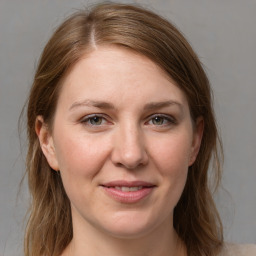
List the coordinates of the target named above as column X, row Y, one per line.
column 196, row 220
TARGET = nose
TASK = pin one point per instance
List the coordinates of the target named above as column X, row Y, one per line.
column 129, row 149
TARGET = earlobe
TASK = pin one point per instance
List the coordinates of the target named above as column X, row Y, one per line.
column 197, row 138
column 46, row 142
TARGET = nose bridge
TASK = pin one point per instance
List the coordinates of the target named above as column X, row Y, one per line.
column 129, row 148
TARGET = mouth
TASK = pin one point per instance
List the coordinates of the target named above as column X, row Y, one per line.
column 128, row 189
column 128, row 192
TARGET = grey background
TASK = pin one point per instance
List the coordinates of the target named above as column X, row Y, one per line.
column 223, row 34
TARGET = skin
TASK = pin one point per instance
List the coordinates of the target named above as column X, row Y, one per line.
column 129, row 140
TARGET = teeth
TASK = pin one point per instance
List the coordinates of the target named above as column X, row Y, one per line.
column 128, row 189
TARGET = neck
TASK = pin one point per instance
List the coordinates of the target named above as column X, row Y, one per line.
column 89, row 241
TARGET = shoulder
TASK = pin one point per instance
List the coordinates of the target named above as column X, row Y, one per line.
column 239, row 250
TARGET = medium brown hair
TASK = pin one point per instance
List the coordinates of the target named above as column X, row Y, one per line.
column 196, row 219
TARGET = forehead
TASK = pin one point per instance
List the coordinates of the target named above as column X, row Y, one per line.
column 115, row 73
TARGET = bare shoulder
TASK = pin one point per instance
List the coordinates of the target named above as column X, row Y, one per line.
column 239, row 250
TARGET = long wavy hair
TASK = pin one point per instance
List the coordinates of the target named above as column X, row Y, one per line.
column 196, row 220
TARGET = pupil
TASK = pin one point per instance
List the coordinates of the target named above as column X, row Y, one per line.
column 96, row 120
column 158, row 120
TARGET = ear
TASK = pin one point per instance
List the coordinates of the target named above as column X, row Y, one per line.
column 46, row 142
column 197, row 138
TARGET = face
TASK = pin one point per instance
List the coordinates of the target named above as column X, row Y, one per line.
column 122, row 140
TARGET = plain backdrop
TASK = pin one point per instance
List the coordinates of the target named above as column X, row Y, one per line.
column 223, row 34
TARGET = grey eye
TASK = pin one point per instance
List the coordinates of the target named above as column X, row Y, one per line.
column 158, row 120
column 96, row 120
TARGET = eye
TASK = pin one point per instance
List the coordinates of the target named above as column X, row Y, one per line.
column 94, row 120
column 158, row 120
column 161, row 120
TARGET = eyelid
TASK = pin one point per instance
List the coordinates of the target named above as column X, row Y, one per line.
column 169, row 118
column 86, row 118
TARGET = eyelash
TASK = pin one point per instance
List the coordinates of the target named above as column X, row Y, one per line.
column 168, row 120
column 87, row 119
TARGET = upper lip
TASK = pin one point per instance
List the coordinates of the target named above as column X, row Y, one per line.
column 125, row 183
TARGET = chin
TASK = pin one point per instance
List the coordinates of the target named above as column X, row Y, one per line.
column 131, row 233
column 129, row 226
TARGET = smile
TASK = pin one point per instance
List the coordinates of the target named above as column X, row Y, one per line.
column 128, row 192
column 128, row 189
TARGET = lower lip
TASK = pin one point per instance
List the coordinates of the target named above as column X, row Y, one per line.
column 129, row 196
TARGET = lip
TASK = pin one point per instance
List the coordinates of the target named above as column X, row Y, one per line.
column 125, row 183
column 128, row 197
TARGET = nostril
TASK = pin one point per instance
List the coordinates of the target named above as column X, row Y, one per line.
column 129, row 149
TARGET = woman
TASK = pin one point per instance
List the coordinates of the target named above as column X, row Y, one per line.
column 121, row 133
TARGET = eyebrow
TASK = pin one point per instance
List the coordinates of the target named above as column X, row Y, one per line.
column 92, row 103
column 107, row 105
column 162, row 104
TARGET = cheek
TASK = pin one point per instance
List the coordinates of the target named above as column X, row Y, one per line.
column 80, row 155
column 80, row 160
column 171, row 157
column 172, row 153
